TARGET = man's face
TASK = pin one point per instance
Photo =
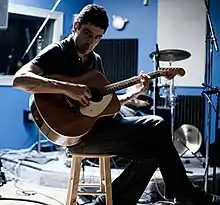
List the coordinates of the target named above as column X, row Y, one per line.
column 87, row 37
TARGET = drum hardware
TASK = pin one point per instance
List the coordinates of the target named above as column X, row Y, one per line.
column 187, row 139
column 172, row 105
column 171, row 55
column 155, row 57
column 165, row 93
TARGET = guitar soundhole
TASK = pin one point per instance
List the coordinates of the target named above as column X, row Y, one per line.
column 96, row 95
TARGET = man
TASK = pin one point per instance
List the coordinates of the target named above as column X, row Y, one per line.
column 135, row 138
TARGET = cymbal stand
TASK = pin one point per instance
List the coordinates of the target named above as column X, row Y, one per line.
column 172, row 103
column 166, row 94
column 156, row 89
column 193, row 153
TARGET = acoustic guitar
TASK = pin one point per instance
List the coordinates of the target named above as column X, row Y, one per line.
column 63, row 121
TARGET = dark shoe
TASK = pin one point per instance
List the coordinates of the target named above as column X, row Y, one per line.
column 100, row 200
column 181, row 202
column 200, row 197
column 215, row 200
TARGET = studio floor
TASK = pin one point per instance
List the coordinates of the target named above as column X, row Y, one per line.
column 44, row 177
column 48, row 195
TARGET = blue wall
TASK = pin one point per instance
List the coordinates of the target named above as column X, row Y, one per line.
column 142, row 25
column 13, row 132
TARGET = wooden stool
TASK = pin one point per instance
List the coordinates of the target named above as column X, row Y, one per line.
column 105, row 179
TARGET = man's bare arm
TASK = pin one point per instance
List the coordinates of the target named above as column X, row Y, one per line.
column 128, row 97
column 142, row 87
column 29, row 78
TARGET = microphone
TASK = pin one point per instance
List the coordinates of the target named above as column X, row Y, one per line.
column 207, row 85
column 213, row 90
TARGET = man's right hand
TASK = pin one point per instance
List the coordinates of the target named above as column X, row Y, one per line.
column 78, row 92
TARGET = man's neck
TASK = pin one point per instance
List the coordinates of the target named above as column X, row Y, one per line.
column 82, row 56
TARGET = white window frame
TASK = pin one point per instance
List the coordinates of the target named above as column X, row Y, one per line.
column 36, row 12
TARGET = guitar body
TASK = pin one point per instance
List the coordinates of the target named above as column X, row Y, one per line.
column 62, row 120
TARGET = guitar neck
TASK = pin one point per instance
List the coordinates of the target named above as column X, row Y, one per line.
column 114, row 87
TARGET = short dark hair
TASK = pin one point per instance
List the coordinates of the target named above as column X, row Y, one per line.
column 95, row 15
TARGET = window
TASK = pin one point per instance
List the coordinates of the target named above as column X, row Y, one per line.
column 23, row 24
column 15, row 40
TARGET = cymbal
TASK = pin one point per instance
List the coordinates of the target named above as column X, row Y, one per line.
column 171, row 55
column 187, row 138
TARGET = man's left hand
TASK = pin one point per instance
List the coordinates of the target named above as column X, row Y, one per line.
column 142, row 86
column 144, row 82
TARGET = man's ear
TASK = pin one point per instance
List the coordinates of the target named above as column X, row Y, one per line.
column 75, row 26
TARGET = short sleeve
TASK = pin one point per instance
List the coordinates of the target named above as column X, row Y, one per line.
column 99, row 65
column 49, row 59
column 101, row 68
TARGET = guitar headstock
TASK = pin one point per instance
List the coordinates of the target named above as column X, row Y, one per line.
column 171, row 72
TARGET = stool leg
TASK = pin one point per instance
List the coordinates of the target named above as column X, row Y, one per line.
column 108, row 185
column 102, row 174
column 74, row 181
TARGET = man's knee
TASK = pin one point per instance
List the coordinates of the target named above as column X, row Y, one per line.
column 159, row 119
column 162, row 126
column 155, row 119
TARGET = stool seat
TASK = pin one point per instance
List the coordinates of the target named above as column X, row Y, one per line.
column 105, row 178
column 91, row 155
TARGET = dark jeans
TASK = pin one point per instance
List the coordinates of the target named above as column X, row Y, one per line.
column 139, row 139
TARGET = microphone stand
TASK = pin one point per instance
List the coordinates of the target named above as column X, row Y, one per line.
column 212, row 42
column 41, row 28
column 38, row 154
column 156, row 89
column 214, row 90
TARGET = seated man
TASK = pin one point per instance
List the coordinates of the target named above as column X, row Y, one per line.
column 136, row 138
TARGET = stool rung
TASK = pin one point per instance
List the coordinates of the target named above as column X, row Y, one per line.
column 91, row 192
column 89, row 185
